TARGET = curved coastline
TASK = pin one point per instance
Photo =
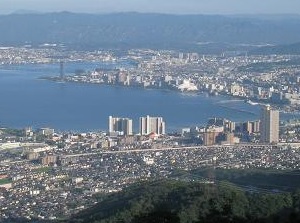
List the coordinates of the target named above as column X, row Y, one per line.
column 83, row 106
column 238, row 110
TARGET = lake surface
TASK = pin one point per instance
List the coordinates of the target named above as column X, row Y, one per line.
column 26, row 100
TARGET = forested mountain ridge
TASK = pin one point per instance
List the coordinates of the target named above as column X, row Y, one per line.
column 145, row 30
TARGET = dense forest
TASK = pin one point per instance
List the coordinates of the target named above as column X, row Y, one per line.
column 180, row 201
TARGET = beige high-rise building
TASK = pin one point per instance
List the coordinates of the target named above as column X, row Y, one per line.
column 269, row 129
column 256, row 126
column 209, row 138
column 152, row 125
column 122, row 126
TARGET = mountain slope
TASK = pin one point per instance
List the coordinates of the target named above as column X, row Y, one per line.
column 293, row 49
column 173, row 201
column 143, row 30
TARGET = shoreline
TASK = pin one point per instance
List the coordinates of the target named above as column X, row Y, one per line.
column 189, row 93
column 187, row 114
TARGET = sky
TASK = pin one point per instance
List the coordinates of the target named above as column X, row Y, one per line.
column 160, row 6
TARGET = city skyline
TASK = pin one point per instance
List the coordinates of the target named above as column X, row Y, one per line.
column 188, row 114
column 168, row 6
column 121, row 126
column 149, row 125
column 124, row 126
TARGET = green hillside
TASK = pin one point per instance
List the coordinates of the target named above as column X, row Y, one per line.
column 177, row 201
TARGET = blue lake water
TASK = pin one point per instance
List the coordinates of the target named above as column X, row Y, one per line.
column 26, row 100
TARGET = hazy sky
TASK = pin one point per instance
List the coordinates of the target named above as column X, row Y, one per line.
column 162, row 6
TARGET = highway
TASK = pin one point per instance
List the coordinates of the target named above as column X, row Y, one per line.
column 257, row 146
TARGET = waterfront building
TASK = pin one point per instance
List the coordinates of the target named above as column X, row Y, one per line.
column 269, row 129
column 152, row 125
column 46, row 131
column 236, row 89
column 212, row 135
column 256, row 126
column 121, row 126
column 229, row 126
column 209, row 138
column 187, row 86
column 248, row 127
column 216, row 121
column 123, row 77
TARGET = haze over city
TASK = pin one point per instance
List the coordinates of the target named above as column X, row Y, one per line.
column 165, row 6
column 150, row 111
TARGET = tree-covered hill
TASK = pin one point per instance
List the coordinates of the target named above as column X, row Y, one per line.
column 177, row 201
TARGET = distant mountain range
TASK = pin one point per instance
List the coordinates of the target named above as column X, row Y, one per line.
column 137, row 30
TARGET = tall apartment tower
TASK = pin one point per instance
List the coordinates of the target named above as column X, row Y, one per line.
column 269, row 125
column 123, row 126
column 152, row 125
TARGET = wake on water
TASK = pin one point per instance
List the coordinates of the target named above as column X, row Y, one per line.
column 229, row 101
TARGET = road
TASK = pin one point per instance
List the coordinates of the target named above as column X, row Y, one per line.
column 262, row 146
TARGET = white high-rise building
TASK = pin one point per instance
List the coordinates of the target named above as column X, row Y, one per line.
column 269, row 125
column 152, row 125
column 122, row 126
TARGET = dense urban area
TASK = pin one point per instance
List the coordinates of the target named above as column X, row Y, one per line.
column 51, row 175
